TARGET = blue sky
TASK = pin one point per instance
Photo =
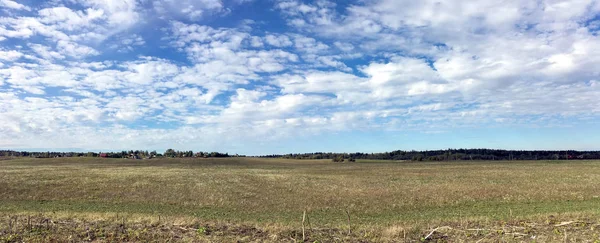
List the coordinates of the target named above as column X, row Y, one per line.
column 283, row 76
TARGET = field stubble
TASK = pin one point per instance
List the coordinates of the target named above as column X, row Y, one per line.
column 385, row 201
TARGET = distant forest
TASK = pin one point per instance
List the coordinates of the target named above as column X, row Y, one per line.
column 452, row 154
column 430, row 155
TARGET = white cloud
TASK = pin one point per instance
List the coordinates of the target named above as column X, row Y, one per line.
column 125, row 44
column 67, row 19
column 10, row 56
column 246, row 107
column 256, row 41
column 13, row 5
column 346, row 47
column 45, row 52
column 319, row 82
column 120, row 14
column 190, row 9
column 278, row 41
column 333, row 62
column 75, row 50
column 128, row 67
column 309, row 45
column 406, row 70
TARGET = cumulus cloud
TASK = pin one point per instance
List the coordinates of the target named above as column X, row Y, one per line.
column 13, row 5
column 186, row 73
column 11, row 55
column 190, row 9
column 278, row 41
column 119, row 14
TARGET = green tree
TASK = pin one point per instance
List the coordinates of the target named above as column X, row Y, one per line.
column 170, row 153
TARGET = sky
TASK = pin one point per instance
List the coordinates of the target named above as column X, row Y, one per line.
column 285, row 76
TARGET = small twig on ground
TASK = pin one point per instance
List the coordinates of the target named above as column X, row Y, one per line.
column 186, row 229
column 431, row 233
column 303, row 219
column 475, row 229
column 436, row 229
column 349, row 225
column 565, row 223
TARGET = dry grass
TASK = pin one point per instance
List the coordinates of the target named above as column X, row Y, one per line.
column 383, row 198
column 27, row 227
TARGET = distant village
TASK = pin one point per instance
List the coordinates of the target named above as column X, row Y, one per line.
column 131, row 154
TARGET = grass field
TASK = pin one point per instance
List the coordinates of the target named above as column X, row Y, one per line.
column 250, row 199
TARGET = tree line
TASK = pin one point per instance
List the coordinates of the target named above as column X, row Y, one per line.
column 428, row 155
column 451, row 154
column 137, row 154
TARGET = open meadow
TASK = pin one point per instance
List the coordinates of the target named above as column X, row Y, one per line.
column 252, row 199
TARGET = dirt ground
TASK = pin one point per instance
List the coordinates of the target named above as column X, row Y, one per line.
column 40, row 228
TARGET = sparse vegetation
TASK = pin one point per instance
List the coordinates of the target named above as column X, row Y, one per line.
column 246, row 199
